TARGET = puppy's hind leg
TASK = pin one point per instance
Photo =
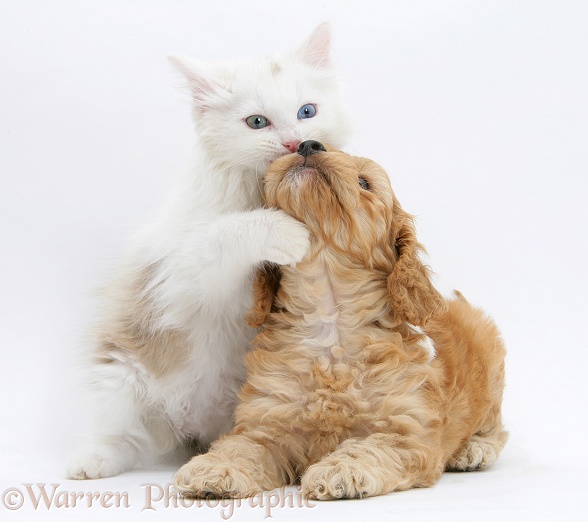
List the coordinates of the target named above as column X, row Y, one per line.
column 482, row 449
column 485, row 359
column 478, row 453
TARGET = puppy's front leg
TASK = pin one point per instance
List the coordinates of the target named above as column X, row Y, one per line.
column 374, row 465
column 236, row 466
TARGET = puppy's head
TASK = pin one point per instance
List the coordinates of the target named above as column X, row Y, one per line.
column 349, row 206
column 345, row 201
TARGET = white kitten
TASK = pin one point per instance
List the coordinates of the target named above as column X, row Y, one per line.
column 167, row 354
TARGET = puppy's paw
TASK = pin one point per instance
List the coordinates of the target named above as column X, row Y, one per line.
column 211, row 475
column 94, row 464
column 327, row 481
column 478, row 453
column 288, row 241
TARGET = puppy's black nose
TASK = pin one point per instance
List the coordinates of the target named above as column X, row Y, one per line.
column 310, row 147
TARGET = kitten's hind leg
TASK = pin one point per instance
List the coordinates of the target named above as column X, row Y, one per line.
column 109, row 454
column 103, row 458
column 122, row 432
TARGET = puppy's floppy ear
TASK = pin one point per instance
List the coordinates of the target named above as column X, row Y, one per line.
column 265, row 286
column 412, row 294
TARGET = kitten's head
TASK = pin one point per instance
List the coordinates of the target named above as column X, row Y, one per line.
column 250, row 113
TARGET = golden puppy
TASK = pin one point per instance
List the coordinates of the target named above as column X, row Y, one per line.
column 345, row 389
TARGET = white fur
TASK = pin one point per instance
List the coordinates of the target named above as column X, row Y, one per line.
column 425, row 342
column 202, row 251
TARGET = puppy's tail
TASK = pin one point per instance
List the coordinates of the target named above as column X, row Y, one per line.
column 459, row 296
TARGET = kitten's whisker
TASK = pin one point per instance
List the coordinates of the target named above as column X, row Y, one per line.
column 228, row 166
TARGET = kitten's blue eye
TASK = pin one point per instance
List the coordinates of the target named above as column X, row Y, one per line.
column 307, row 111
column 257, row 121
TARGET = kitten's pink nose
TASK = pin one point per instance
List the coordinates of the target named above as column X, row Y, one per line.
column 292, row 146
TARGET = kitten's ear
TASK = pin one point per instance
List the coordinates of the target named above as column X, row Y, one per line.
column 205, row 91
column 316, row 51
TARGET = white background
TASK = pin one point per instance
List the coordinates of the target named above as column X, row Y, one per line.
column 477, row 109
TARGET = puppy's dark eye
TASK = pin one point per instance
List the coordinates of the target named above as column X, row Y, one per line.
column 364, row 184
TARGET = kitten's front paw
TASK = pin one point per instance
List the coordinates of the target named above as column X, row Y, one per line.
column 211, row 475
column 289, row 240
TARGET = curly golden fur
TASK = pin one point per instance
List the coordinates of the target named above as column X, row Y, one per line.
column 342, row 392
